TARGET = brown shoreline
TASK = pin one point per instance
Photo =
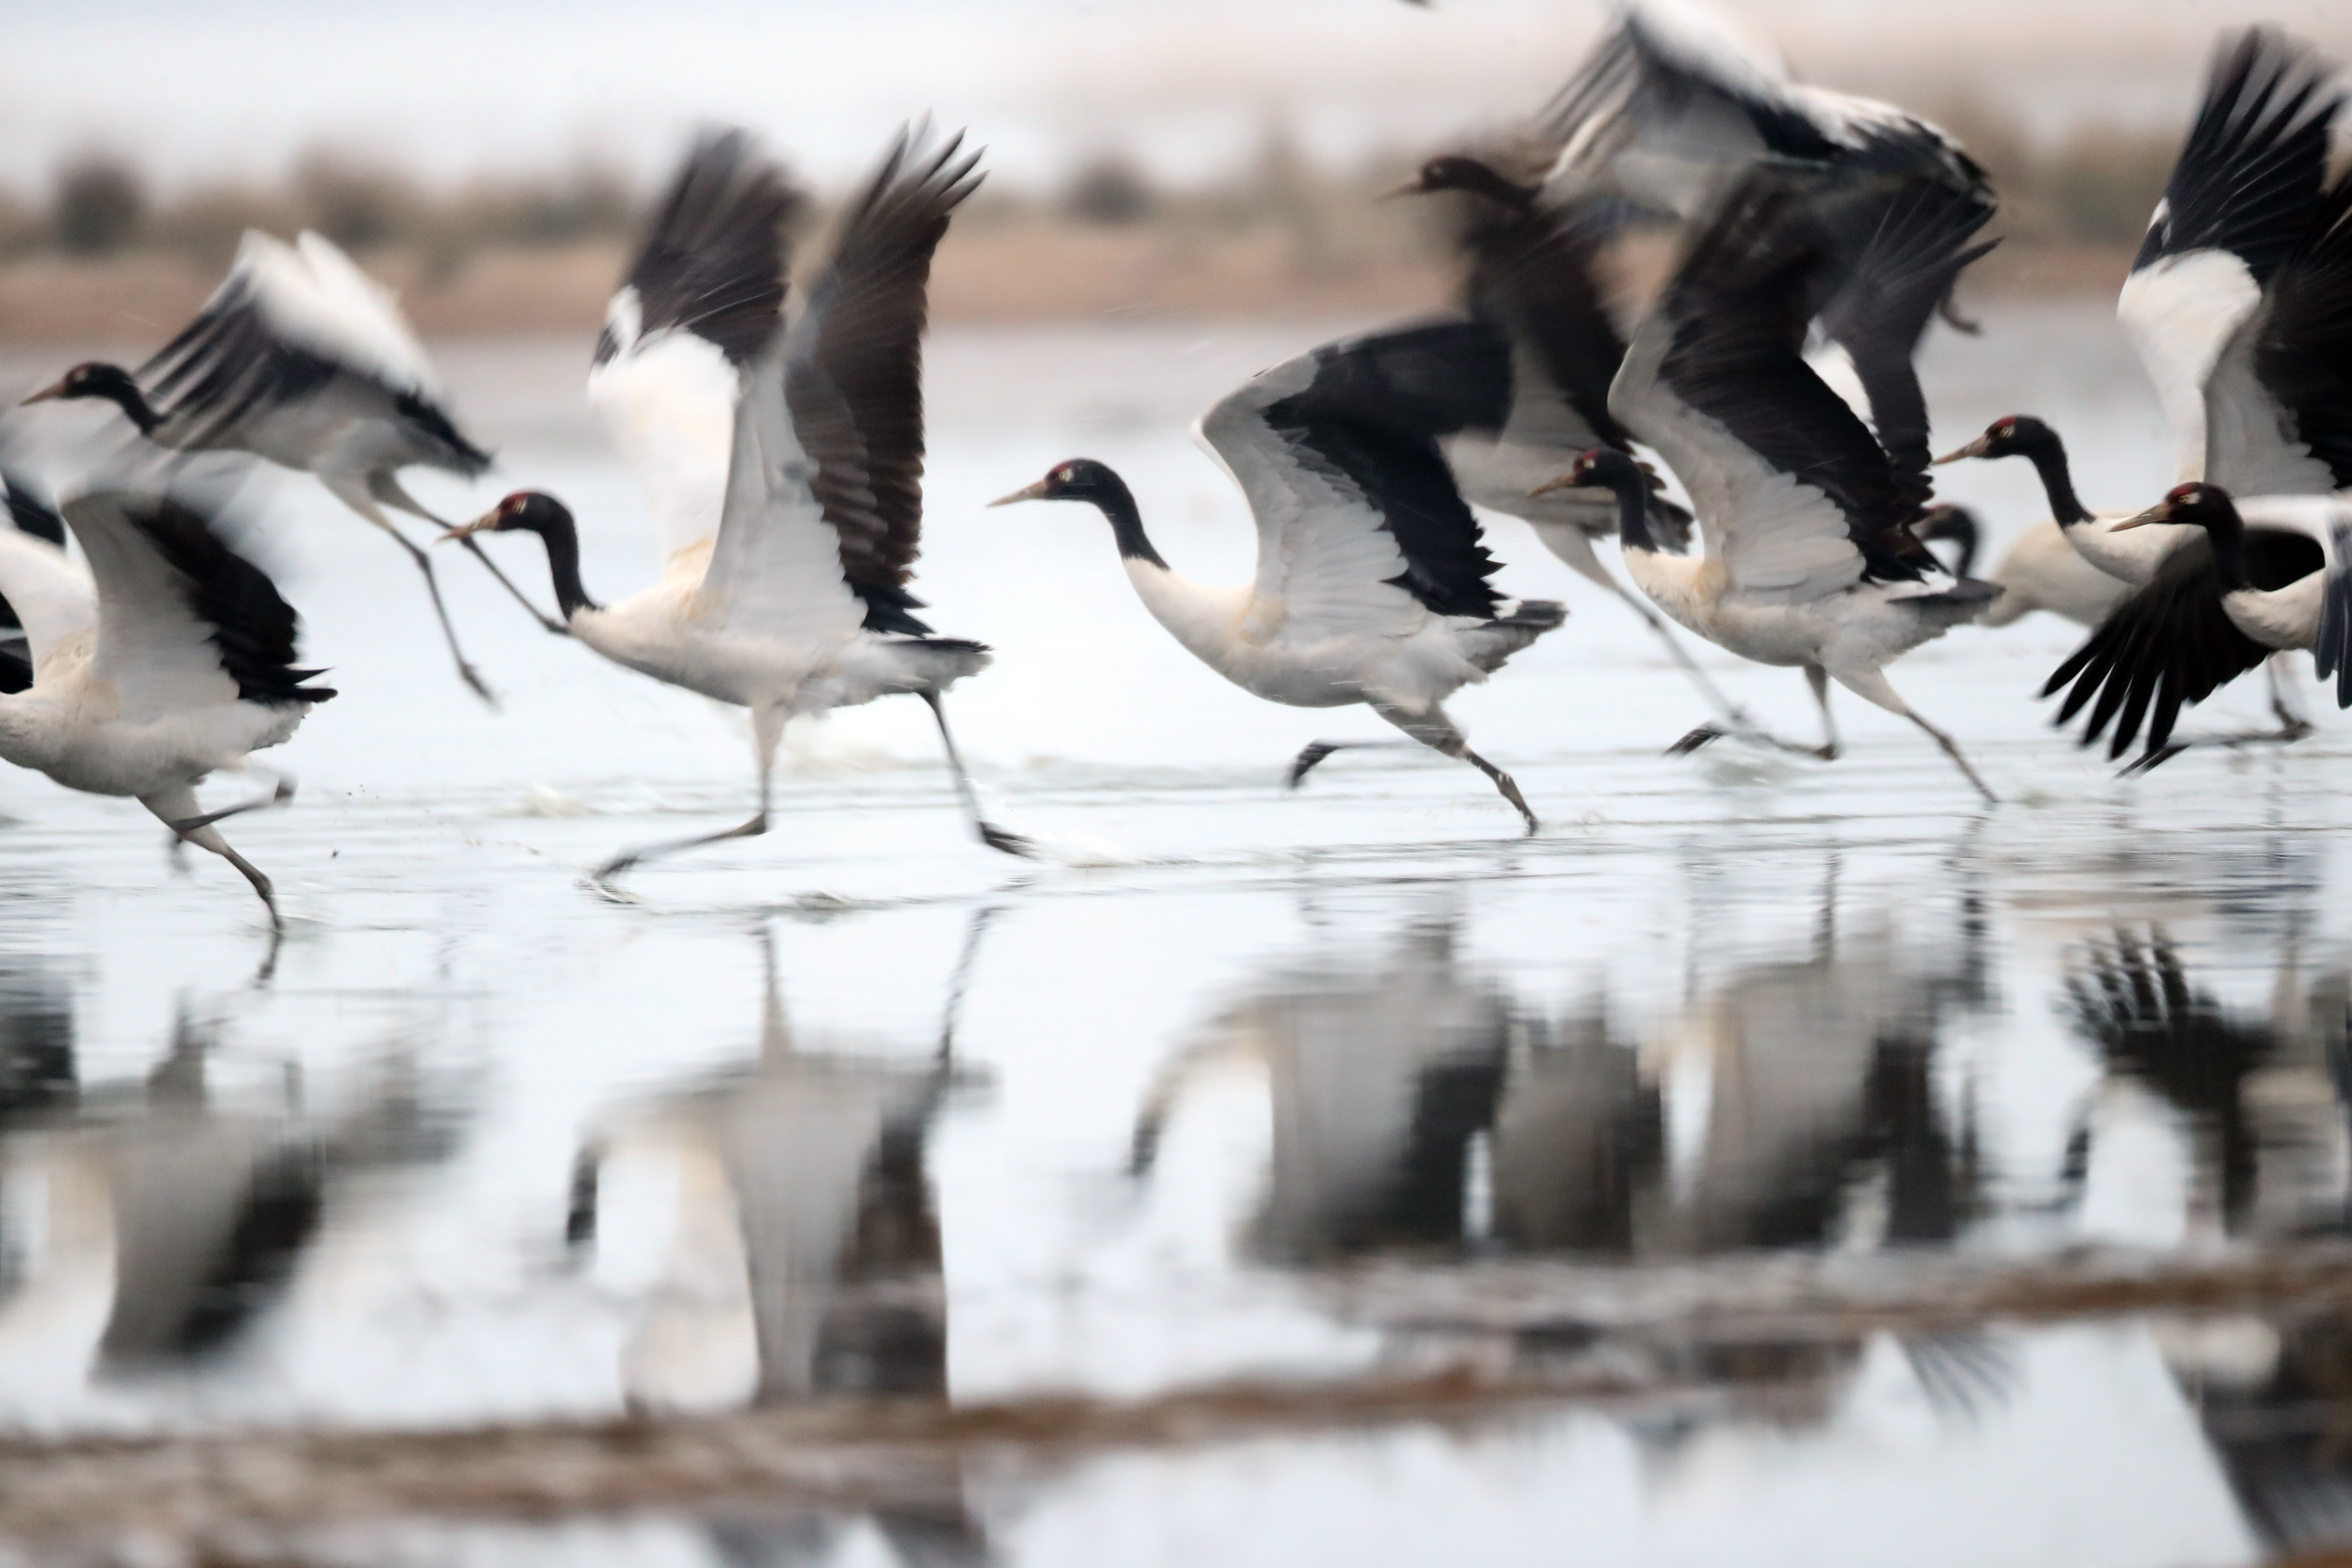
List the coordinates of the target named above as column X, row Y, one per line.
column 1007, row 273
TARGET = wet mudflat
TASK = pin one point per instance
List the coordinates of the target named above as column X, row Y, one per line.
column 1771, row 1161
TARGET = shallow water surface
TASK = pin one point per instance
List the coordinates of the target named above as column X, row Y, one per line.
column 1770, row 1162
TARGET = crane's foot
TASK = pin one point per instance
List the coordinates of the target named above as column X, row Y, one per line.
column 1706, row 734
column 477, row 685
column 1314, row 752
column 2155, row 759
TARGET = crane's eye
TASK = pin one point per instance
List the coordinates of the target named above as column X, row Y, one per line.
column 2008, row 428
column 1065, row 476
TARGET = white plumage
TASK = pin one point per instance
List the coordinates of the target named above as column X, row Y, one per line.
column 167, row 660
column 1371, row 576
column 302, row 360
column 785, row 593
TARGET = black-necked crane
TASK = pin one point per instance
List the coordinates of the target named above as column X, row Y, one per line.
column 301, row 359
column 1810, row 561
column 1673, row 108
column 2253, row 586
column 1530, row 276
column 1372, row 577
column 169, row 658
column 796, row 603
column 2240, row 308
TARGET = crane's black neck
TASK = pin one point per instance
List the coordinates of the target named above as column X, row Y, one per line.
column 117, row 387
column 2226, row 532
column 1109, row 492
column 2048, row 456
column 563, row 541
column 1632, row 512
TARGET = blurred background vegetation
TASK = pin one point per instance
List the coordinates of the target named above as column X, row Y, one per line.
column 1279, row 233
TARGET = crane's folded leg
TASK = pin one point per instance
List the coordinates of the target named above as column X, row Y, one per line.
column 1826, row 752
column 282, row 793
column 1434, row 729
column 1871, row 685
column 767, row 728
column 176, row 809
column 1315, row 752
column 995, row 837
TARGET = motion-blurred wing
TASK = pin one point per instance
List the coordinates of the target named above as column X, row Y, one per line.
column 702, row 298
column 1796, row 498
column 1359, row 526
column 775, row 569
column 853, row 371
column 48, row 597
column 183, row 620
column 1909, row 246
column 2241, row 200
column 285, row 325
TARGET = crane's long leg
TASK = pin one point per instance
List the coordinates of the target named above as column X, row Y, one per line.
column 1871, row 685
column 2293, row 725
column 767, row 728
column 1575, row 550
column 177, row 806
column 386, row 488
column 1819, row 679
column 365, row 506
column 1434, row 729
column 995, row 837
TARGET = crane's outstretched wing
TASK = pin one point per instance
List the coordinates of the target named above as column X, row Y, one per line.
column 294, row 326
column 48, row 597
column 2241, row 201
column 2172, row 643
column 33, row 517
column 1359, row 527
column 1669, row 110
column 704, row 295
column 1908, row 247
column 1532, row 278
column 1795, row 496
column 854, row 370
column 183, row 620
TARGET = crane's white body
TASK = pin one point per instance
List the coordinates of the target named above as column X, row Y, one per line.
column 667, row 401
column 128, row 695
column 2287, row 619
column 2042, row 570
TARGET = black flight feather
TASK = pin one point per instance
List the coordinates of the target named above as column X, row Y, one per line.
column 253, row 626
column 1371, row 418
column 854, row 370
column 2248, row 180
column 1740, row 306
column 713, row 260
column 2303, row 355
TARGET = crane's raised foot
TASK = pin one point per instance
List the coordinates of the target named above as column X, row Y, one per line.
column 1706, row 734
column 1314, row 752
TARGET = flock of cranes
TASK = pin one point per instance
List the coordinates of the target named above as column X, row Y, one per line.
column 782, row 453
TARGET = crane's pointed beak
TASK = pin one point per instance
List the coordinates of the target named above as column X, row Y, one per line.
column 1568, row 481
column 1411, row 187
column 488, row 519
column 53, row 390
column 2160, row 512
column 1976, row 448
column 1038, row 491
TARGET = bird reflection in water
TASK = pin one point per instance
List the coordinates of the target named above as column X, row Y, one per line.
column 801, row 1248
column 152, row 1227
column 801, row 1256
column 1415, row 1103
column 2257, row 1093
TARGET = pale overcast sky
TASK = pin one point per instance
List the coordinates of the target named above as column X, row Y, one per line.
column 447, row 88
